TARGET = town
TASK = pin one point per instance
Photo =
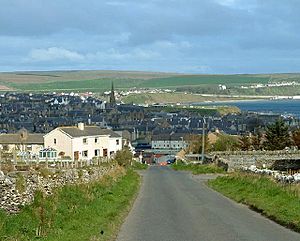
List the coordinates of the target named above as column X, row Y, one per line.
column 38, row 126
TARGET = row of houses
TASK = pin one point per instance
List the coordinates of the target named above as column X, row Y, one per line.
column 73, row 142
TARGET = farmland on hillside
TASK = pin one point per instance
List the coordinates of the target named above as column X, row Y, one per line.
column 101, row 80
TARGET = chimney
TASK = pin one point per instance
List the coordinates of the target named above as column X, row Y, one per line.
column 81, row 126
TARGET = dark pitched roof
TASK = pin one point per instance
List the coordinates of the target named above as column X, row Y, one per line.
column 169, row 137
column 16, row 139
column 74, row 131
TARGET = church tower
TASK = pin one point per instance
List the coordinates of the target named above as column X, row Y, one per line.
column 112, row 98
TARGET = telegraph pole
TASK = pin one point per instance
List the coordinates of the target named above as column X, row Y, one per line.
column 203, row 139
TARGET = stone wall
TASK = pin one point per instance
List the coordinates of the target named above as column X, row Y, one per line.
column 278, row 160
column 18, row 188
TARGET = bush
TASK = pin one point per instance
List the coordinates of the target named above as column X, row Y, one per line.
column 226, row 143
column 124, row 157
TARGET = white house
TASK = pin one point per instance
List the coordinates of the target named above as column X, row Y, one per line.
column 83, row 142
column 165, row 141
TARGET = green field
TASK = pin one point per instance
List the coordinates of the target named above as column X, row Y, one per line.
column 99, row 81
column 105, row 83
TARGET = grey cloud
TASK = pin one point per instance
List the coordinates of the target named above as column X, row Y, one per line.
column 213, row 36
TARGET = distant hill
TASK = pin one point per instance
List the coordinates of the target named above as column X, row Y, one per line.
column 95, row 80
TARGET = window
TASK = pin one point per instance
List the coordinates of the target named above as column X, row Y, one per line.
column 85, row 154
column 54, row 141
column 117, row 142
column 96, row 140
column 84, row 140
column 97, row 152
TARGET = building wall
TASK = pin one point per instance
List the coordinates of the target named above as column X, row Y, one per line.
column 32, row 148
column 63, row 142
column 167, row 144
column 105, row 145
column 90, row 146
column 115, row 144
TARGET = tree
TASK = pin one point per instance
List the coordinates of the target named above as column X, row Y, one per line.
column 256, row 141
column 124, row 157
column 296, row 137
column 244, row 143
column 277, row 136
column 195, row 143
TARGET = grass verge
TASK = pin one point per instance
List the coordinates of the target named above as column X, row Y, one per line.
column 139, row 166
column 91, row 211
column 277, row 202
column 197, row 168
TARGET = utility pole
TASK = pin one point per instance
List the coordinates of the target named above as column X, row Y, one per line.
column 203, row 139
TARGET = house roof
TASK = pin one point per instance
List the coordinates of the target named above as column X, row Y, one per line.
column 16, row 139
column 74, row 131
column 169, row 137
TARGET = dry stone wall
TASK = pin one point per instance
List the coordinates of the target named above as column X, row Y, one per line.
column 278, row 160
column 18, row 188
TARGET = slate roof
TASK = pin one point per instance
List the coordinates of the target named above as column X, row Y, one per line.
column 168, row 137
column 74, row 131
column 16, row 139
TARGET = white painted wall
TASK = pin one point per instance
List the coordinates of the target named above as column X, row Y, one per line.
column 68, row 145
column 167, row 144
column 63, row 142
column 115, row 144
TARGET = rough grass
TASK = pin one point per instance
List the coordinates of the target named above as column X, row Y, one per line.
column 280, row 203
column 92, row 211
column 197, row 168
column 139, row 166
column 150, row 98
column 201, row 110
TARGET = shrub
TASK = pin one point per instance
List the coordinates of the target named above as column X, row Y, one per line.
column 124, row 157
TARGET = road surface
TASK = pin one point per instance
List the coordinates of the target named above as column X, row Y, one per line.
column 174, row 206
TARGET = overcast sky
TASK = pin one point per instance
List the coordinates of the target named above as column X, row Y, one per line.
column 191, row 36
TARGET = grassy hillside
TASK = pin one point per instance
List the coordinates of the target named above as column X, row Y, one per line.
column 101, row 80
column 150, row 98
column 103, row 84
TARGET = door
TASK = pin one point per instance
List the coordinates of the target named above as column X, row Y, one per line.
column 76, row 155
column 104, row 152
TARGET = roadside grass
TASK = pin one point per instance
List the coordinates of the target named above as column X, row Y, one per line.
column 198, row 168
column 93, row 211
column 139, row 166
column 275, row 201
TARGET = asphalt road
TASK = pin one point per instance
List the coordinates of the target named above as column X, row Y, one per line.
column 174, row 206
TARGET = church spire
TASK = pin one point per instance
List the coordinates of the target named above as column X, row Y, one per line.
column 112, row 99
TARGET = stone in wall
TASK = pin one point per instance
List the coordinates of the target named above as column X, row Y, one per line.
column 11, row 199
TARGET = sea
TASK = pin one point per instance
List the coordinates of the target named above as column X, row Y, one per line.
column 283, row 107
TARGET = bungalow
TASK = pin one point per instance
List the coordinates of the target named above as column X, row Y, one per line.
column 83, row 142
